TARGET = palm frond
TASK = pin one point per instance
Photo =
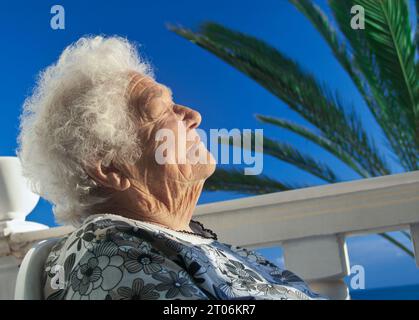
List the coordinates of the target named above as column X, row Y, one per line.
column 375, row 101
column 388, row 32
column 286, row 153
column 370, row 55
column 406, row 234
column 397, row 244
column 321, row 141
column 234, row 180
column 287, row 80
column 417, row 26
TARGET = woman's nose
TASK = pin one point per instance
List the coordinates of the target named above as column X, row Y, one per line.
column 192, row 117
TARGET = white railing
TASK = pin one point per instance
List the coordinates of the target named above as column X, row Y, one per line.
column 310, row 224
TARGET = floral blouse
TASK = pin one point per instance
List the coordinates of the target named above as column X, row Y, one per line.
column 112, row 257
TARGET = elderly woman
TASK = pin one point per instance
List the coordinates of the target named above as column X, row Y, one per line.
column 88, row 145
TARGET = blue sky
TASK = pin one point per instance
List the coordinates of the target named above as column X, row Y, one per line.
column 225, row 97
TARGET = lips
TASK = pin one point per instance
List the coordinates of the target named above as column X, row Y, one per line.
column 192, row 148
column 195, row 143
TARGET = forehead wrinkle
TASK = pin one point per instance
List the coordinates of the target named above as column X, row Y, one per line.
column 150, row 93
column 143, row 100
column 143, row 89
column 156, row 91
column 137, row 80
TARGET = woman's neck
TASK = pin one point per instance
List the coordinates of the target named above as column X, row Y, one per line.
column 171, row 210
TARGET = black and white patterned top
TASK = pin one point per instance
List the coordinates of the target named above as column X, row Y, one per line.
column 112, row 257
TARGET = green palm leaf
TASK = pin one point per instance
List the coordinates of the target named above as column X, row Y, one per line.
column 369, row 55
column 417, row 28
column 374, row 98
column 323, row 142
column 397, row 244
column 287, row 153
column 388, row 33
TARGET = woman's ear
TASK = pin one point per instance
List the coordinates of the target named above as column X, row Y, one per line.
column 108, row 177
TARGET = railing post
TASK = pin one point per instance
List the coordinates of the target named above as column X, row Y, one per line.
column 414, row 232
column 8, row 265
column 322, row 261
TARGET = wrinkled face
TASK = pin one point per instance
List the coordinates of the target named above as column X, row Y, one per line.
column 171, row 147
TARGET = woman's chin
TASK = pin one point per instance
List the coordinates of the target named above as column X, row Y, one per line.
column 209, row 166
column 203, row 171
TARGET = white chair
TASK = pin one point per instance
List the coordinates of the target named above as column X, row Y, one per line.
column 29, row 284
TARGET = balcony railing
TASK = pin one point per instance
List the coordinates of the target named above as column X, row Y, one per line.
column 311, row 225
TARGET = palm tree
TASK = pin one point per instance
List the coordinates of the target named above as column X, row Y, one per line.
column 379, row 59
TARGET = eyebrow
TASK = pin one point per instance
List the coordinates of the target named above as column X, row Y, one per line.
column 162, row 91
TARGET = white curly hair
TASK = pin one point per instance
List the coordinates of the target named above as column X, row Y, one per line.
column 77, row 114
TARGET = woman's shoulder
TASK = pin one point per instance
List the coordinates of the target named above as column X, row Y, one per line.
column 97, row 234
column 98, row 230
column 107, row 254
column 99, row 246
